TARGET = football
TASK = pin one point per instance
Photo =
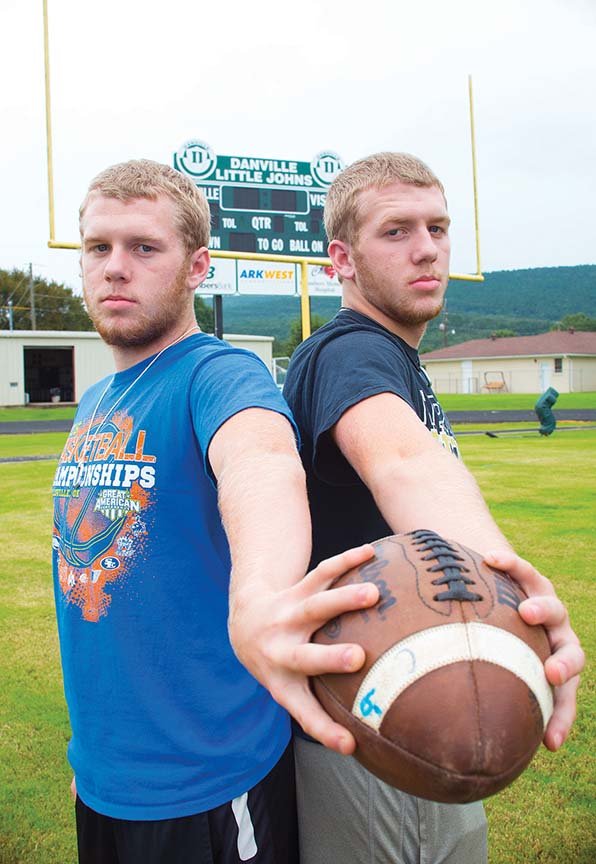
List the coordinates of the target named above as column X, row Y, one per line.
column 452, row 701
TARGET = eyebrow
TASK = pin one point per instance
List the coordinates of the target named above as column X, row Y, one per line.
column 138, row 238
column 395, row 218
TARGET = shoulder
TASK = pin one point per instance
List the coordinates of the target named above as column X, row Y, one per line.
column 351, row 353
column 344, row 363
column 210, row 359
column 206, row 348
column 224, row 381
column 343, row 336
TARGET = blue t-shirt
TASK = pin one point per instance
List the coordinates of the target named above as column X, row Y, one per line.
column 347, row 360
column 165, row 720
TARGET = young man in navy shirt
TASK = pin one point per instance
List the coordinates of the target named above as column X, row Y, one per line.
column 380, row 458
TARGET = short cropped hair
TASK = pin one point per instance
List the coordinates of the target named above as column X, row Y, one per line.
column 342, row 212
column 143, row 178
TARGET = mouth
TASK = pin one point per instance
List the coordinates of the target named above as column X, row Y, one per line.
column 117, row 301
column 426, row 283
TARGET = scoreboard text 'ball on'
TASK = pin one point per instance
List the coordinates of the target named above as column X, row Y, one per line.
column 452, row 701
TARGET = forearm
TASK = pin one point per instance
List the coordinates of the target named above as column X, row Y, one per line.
column 274, row 605
column 433, row 490
column 264, row 510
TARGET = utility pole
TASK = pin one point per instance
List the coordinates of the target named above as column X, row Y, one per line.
column 444, row 327
column 32, row 297
column 10, row 322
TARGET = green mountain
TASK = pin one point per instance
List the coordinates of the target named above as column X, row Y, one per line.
column 521, row 301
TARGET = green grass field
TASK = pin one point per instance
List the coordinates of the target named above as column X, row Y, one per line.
column 453, row 402
column 511, row 401
column 51, row 412
column 541, row 492
column 40, row 444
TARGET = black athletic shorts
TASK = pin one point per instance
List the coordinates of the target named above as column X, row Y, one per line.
column 258, row 827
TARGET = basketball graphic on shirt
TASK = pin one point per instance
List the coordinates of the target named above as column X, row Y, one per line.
column 102, row 498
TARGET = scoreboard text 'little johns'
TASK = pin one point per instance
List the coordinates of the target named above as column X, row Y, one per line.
column 262, row 205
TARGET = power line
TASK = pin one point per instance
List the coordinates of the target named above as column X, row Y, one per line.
column 58, row 297
column 32, row 295
column 17, row 287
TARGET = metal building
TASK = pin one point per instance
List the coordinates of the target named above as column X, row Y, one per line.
column 42, row 366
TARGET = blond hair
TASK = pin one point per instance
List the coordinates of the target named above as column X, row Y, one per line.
column 143, row 178
column 342, row 211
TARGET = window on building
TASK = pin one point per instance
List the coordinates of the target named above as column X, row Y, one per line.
column 558, row 364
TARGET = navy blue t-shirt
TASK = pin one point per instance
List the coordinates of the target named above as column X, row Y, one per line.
column 347, row 360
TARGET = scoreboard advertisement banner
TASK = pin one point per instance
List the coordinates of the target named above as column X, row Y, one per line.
column 221, row 278
column 259, row 277
column 261, row 205
column 227, row 276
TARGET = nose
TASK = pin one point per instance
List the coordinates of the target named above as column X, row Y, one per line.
column 117, row 266
column 424, row 247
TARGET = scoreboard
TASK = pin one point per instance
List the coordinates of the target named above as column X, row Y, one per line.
column 262, row 205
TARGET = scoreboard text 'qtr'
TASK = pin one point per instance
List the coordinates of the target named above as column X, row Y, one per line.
column 262, row 205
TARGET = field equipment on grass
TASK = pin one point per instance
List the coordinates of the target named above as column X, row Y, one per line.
column 543, row 409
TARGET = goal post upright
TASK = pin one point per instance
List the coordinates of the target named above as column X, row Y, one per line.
column 301, row 261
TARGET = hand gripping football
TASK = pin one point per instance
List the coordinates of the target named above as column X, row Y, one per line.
column 452, row 701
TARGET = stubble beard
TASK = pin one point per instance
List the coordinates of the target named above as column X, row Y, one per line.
column 144, row 329
column 403, row 310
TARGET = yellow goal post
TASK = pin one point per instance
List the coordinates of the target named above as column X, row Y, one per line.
column 298, row 260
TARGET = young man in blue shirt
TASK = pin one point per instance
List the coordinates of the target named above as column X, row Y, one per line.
column 180, row 512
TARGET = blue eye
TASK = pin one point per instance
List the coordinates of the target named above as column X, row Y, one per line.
column 144, row 247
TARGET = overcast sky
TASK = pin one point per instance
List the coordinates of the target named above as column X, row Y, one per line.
column 286, row 80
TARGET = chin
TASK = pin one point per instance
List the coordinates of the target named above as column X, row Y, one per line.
column 435, row 311
column 118, row 336
column 415, row 317
column 119, row 339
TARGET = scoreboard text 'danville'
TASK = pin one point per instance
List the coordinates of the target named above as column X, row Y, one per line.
column 265, row 206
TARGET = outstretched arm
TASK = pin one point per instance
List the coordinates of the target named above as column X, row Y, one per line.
column 274, row 607
column 416, row 483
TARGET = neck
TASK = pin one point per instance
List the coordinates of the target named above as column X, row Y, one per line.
column 127, row 356
column 411, row 334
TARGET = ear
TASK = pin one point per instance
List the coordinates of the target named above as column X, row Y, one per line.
column 198, row 267
column 341, row 256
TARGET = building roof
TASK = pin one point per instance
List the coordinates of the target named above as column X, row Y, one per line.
column 555, row 343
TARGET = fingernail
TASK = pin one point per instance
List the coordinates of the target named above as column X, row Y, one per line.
column 364, row 595
column 348, row 658
column 563, row 673
column 343, row 745
column 532, row 608
column 557, row 740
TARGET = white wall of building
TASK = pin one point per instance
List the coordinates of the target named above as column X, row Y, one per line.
column 517, row 374
column 92, row 357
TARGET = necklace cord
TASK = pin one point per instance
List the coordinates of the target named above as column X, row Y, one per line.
column 122, row 395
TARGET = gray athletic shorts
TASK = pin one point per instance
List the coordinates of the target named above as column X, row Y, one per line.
column 347, row 816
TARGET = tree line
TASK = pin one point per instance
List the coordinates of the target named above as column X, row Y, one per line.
column 508, row 303
column 29, row 302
